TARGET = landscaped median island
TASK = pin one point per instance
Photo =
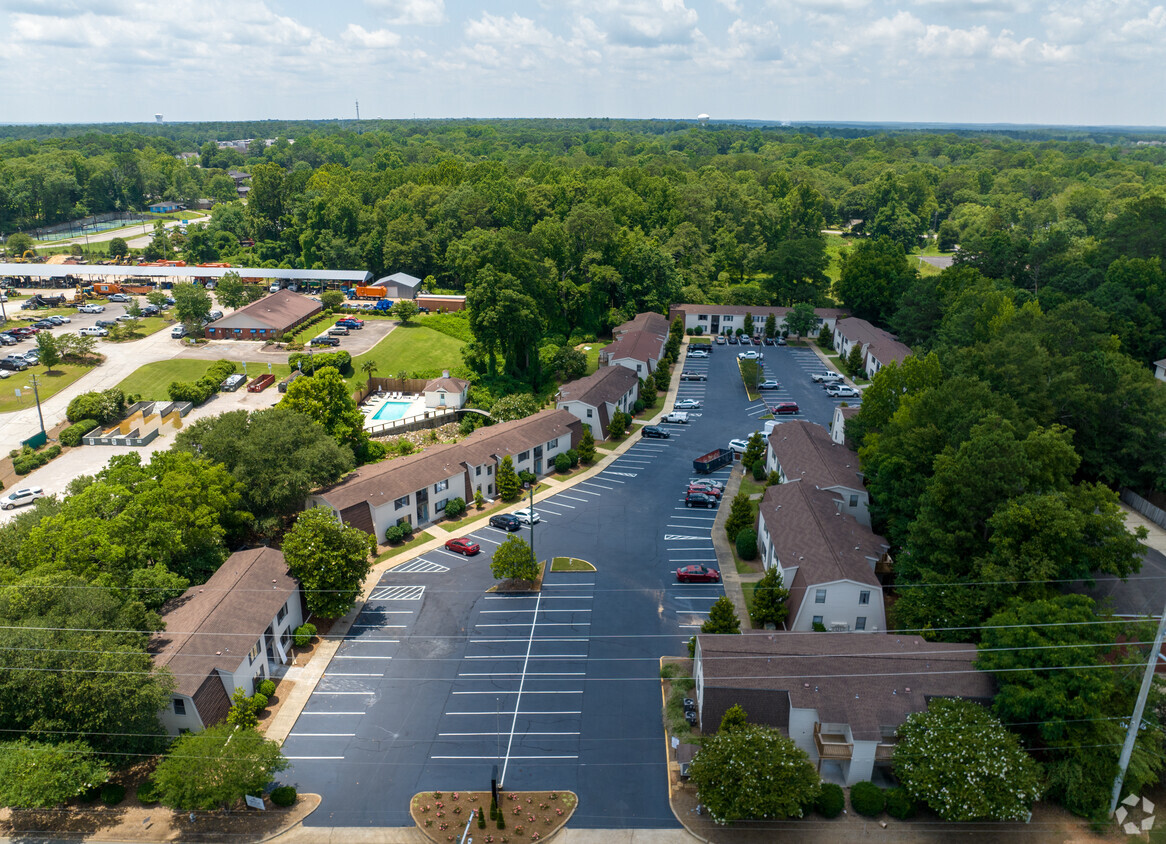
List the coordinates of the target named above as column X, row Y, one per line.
column 519, row 816
column 570, row 564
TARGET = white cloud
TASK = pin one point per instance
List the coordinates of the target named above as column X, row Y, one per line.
column 412, row 12
column 376, row 40
column 641, row 23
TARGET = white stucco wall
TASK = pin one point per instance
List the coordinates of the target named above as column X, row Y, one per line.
column 174, row 723
column 841, row 605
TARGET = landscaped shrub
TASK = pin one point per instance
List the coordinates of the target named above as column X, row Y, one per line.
column 303, row 635
column 562, row 463
column 573, row 457
column 148, row 792
column 455, row 507
column 259, row 701
column 868, row 799
column 112, row 793
column 72, row 435
column 28, row 460
column 283, row 795
column 831, row 800
column 747, row 544
column 759, row 470
column 639, row 406
column 479, row 499
column 267, row 688
column 105, row 406
column 899, row 804
column 309, row 362
column 399, row 533
column 481, row 819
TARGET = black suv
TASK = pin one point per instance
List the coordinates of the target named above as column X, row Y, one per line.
column 699, row 499
column 325, row 341
column 505, row 521
column 654, row 431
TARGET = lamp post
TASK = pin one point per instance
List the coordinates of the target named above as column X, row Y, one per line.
column 533, row 558
column 36, row 394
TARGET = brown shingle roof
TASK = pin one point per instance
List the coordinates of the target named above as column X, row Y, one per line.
column 883, row 345
column 866, row 680
column 806, row 451
column 648, row 321
column 643, row 346
column 214, row 626
column 517, row 436
column 379, row 483
column 279, row 311
column 607, row 384
column 449, row 385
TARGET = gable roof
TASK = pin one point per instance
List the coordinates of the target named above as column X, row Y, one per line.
column 806, row 451
column 213, row 626
column 518, row 436
column 446, row 384
column 385, row 482
column 866, row 680
column 648, row 321
column 279, row 310
column 398, row 279
column 883, row 345
column 642, row 346
column 607, row 385
column 759, row 312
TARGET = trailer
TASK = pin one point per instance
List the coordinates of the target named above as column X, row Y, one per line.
column 715, row 459
column 371, row 292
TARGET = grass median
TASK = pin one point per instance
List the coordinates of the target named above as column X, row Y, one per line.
column 48, row 385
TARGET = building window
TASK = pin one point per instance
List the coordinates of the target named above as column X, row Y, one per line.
column 553, row 444
column 490, row 469
column 820, row 596
column 639, row 367
column 854, row 500
column 864, row 597
column 440, row 505
column 477, row 471
column 254, row 655
column 727, row 318
column 524, row 456
column 282, row 614
column 179, row 706
column 702, row 318
column 441, row 486
column 860, row 623
column 403, row 501
column 589, row 412
column 817, row 619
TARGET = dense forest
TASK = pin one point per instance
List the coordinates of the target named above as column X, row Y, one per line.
column 992, row 456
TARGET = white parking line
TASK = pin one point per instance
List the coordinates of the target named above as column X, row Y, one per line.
column 503, row 641
column 692, row 559
column 508, row 758
column 327, row 692
column 571, row 498
column 528, row 692
column 561, row 504
column 502, row 734
column 419, row 566
column 552, row 512
column 535, row 610
column 534, row 656
column 313, row 757
column 449, row 553
column 528, row 673
column 350, row 674
column 485, row 539
column 585, row 492
column 544, row 624
column 523, row 712
column 398, row 593
column 601, row 486
column 331, row 713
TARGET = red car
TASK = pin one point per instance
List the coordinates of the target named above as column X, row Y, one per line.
column 785, row 407
column 464, row 545
column 23, row 331
column 706, row 489
column 697, row 574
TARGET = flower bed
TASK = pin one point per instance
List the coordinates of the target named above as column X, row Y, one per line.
column 522, row 815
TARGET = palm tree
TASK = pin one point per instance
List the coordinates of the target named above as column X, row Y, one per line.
column 368, row 368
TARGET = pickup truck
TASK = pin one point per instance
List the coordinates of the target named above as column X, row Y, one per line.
column 715, row 459
column 825, row 377
column 677, row 416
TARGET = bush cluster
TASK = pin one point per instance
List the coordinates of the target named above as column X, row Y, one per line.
column 398, row 533
column 105, row 406
column 148, row 792
column 267, row 688
column 26, row 460
column 310, row 362
column 747, row 544
column 303, row 635
column 868, row 799
column 197, row 392
column 899, row 804
column 72, row 435
column 831, row 800
column 283, row 795
column 455, row 507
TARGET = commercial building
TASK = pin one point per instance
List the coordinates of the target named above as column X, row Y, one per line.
column 266, row 319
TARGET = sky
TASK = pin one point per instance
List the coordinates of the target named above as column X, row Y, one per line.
column 1076, row 62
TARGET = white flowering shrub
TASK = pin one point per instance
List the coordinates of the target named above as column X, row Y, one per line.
column 753, row 772
column 959, row 760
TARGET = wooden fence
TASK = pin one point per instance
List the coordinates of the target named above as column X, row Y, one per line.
column 415, row 386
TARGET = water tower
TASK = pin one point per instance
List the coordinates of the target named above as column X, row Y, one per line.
column 157, row 118
column 703, row 119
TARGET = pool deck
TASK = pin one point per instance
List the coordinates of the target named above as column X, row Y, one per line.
column 375, row 402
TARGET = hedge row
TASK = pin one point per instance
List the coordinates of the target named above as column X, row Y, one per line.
column 309, row 363
column 197, row 392
column 27, row 460
column 72, row 435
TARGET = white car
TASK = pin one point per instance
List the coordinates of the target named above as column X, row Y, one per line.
column 826, row 377
column 738, row 446
column 686, row 404
column 768, row 385
column 750, row 355
column 676, row 417
column 698, row 353
column 93, row 331
column 842, row 391
column 20, row 497
column 527, row 516
column 91, row 309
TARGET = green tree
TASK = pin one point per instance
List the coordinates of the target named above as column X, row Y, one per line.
column 568, row 364
column 826, row 337
column 157, row 298
column 50, row 354
column 229, row 290
column 771, row 326
column 514, row 406
column 509, row 487
column 332, row 299
column 769, row 600
column 36, row 775
column 754, row 450
column 960, row 761
column 873, row 277
column 801, row 319
column 735, row 718
column 648, row 392
column 617, row 426
column 19, row 243
column 244, row 710
column 118, row 248
column 324, row 397
column 133, row 308
column 330, row 560
column 514, row 560
column 748, row 326
column 722, row 618
column 159, row 247
column 587, row 445
column 753, row 773
column 368, row 368
column 740, row 515
column 855, row 365
column 277, row 455
column 191, row 303
column 216, row 767
column 404, row 310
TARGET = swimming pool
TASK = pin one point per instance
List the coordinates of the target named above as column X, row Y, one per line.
column 390, row 410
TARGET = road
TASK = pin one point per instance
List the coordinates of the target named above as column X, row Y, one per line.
column 439, row 682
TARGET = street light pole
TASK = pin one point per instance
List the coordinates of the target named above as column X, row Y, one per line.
column 533, row 558
column 36, row 393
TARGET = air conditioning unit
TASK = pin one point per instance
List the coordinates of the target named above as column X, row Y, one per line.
column 839, row 627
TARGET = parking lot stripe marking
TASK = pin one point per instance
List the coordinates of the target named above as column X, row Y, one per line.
column 698, row 597
column 327, row 692
column 313, row 757
column 561, row 504
column 449, row 553
column 500, row 641
column 613, row 480
column 574, row 597
column 381, row 627
column 534, row 610
column 331, row 713
column 502, row 734
column 355, row 656
column 552, row 512
column 422, row 566
column 521, row 686
column 690, row 527
column 570, row 498
column 585, row 492
column 528, row 692
column 674, row 550
column 545, row 624
column 693, row 560
column 690, row 612
column 671, row 537
column 524, row 712
column 601, row 486
column 321, row 735
column 485, row 539
column 350, row 674
column 398, row 593
column 508, row 758
column 536, row 656
column 525, row 674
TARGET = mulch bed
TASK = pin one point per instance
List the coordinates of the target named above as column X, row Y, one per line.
column 529, row 815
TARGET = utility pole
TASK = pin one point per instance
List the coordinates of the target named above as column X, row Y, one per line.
column 1127, row 749
column 36, row 393
column 358, row 109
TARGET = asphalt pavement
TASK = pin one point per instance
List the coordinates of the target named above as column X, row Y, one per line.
column 440, row 684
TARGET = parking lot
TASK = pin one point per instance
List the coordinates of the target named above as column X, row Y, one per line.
column 441, row 683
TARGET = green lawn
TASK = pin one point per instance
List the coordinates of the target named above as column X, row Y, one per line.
column 570, row 564
column 418, row 539
column 835, row 243
column 152, row 381
column 139, row 328
column 410, row 348
column 592, row 355
column 49, row 384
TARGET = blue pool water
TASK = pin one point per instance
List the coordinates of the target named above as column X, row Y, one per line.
column 391, row 410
